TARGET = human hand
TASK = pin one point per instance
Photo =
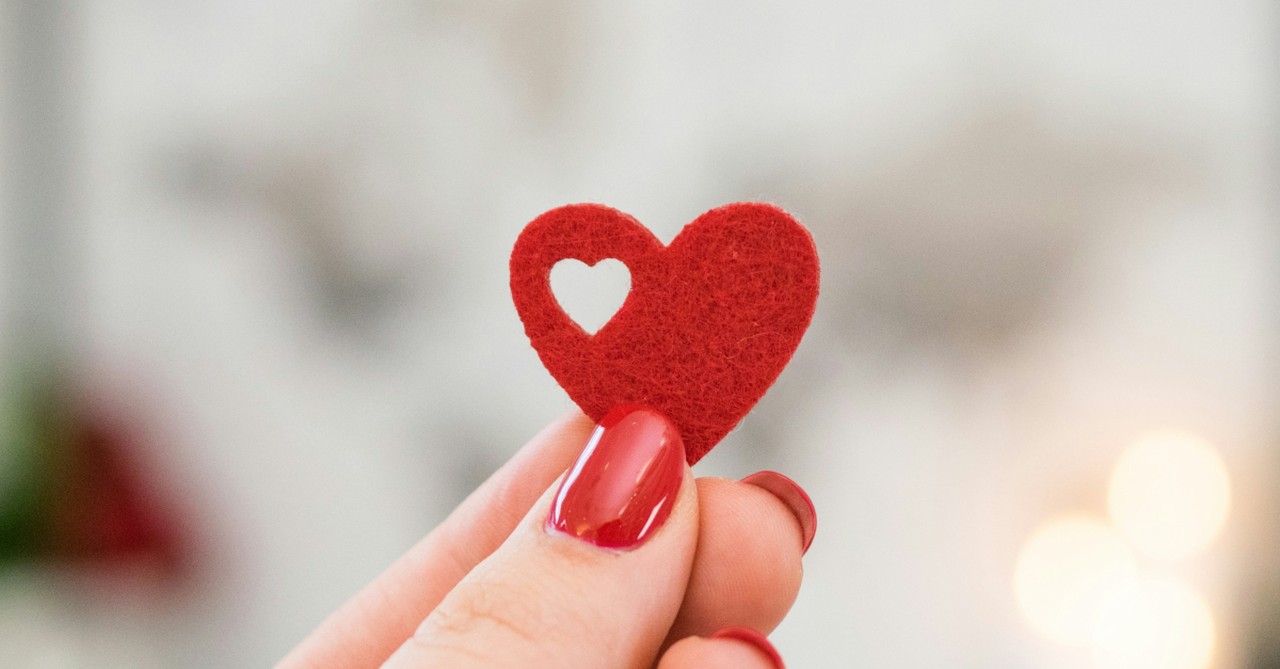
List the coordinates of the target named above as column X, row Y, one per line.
column 625, row 566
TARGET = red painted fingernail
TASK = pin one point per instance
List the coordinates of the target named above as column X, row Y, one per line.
column 622, row 488
column 748, row 635
column 794, row 497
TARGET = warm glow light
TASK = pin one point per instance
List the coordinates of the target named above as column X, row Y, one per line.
column 1155, row 624
column 1066, row 572
column 1169, row 495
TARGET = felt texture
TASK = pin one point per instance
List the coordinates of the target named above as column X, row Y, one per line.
column 710, row 322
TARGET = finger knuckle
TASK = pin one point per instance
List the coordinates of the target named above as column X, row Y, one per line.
column 488, row 618
column 488, row 607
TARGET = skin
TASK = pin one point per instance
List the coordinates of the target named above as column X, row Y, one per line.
column 490, row 587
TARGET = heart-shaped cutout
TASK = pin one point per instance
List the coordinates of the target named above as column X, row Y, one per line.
column 590, row 294
column 710, row 322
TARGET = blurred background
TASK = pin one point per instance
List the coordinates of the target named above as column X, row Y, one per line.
column 256, row 336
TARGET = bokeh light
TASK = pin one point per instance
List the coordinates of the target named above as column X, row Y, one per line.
column 1155, row 623
column 1065, row 574
column 1169, row 495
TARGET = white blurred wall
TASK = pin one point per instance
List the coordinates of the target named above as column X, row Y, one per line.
column 1045, row 228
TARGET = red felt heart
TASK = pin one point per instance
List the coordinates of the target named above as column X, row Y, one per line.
column 709, row 323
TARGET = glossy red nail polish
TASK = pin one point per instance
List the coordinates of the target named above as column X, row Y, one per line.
column 794, row 497
column 623, row 486
column 748, row 635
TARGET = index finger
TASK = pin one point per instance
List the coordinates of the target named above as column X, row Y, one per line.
column 371, row 625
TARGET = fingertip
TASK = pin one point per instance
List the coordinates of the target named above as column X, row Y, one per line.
column 370, row 626
column 755, row 640
column 729, row 648
column 794, row 497
column 622, row 489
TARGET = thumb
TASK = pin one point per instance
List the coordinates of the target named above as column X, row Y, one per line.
column 594, row 574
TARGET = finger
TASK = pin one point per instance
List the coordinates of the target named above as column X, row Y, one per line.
column 747, row 571
column 370, row 626
column 730, row 648
column 593, row 576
